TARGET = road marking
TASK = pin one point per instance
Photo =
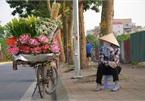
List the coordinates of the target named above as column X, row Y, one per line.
column 28, row 94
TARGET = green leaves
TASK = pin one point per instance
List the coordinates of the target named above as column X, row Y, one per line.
column 92, row 4
column 20, row 26
column 3, row 48
column 24, row 8
column 123, row 37
column 92, row 40
column 1, row 30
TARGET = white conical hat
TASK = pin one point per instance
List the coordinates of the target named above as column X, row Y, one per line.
column 110, row 38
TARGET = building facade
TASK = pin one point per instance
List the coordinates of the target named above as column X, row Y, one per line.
column 123, row 21
column 117, row 28
column 91, row 32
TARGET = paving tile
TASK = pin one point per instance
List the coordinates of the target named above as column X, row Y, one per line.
column 133, row 88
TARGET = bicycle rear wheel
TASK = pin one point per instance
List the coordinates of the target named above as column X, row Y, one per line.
column 52, row 77
column 40, row 81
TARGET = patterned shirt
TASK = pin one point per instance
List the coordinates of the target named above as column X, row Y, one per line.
column 114, row 56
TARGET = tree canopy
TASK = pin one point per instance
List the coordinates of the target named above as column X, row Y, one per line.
column 1, row 30
column 123, row 37
column 93, row 5
column 24, row 8
column 92, row 40
column 39, row 8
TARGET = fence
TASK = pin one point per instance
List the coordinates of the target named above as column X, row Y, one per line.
column 131, row 50
column 124, row 53
column 137, row 47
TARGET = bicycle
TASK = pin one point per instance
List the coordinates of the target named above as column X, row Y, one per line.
column 47, row 77
column 45, row 65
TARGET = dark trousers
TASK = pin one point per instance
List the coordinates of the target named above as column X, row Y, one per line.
column 103, row 70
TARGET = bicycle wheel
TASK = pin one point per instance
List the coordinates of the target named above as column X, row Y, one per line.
column 52, row 77
column 40, row 81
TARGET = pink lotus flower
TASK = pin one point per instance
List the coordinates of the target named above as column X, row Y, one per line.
column 45, row 48
column 24, row 38
column 43, row 39
column 25, row 49
column 55, row 48
column 34, row 42
column 13, row 49
column 36, row 50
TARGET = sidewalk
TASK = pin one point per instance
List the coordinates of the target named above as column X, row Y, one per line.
column 132, row 80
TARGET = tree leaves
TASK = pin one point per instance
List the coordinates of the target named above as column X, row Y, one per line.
column 20, row 26
column 23, row 8
column 92, row 40
column 92, row 4
column 1, row 30
column 123, row 37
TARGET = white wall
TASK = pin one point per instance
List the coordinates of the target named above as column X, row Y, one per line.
column 118, row 29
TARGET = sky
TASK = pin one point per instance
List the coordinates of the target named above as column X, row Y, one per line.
column 133, row 9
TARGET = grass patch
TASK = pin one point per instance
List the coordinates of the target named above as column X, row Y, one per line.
column 134, row 63
column 67, row 67
column 5, row 60
column 92, row 78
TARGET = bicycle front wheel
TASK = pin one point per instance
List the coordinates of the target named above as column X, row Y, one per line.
column 52, row 77
column 40, row 81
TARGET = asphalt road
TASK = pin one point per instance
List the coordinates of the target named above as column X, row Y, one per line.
column 19, row 85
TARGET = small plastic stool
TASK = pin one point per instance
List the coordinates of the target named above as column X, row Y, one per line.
column 106, row 84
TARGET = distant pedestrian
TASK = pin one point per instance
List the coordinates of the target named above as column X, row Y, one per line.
column 109, row 63
column 89, row 48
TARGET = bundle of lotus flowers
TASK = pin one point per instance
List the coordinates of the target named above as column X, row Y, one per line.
column 27, row 45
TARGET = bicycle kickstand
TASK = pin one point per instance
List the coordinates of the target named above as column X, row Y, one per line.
column 34, row 89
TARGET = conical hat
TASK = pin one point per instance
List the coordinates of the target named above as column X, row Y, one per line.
column 110, row 38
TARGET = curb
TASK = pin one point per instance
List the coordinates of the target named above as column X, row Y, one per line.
column 1, row 63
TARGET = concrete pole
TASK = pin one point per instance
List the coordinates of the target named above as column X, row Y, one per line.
column 77, row 73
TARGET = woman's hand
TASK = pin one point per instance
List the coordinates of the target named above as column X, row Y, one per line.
column 112, row 64
column 110, row 48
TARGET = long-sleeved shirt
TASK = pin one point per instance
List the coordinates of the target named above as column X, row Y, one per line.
column 114, row 57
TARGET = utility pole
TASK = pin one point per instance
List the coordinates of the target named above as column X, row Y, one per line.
column 77, row 73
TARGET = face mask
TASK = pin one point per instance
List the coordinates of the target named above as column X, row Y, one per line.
column 105, row 50
column 106, row 44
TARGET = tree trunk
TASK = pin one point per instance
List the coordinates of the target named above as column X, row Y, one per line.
column 107, row 17
column 59, row 39
column 65, row 32
column 70, row 35
column 83, row 63
column 49, row 6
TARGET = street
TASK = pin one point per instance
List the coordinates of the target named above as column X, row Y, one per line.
column 19, row 85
